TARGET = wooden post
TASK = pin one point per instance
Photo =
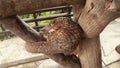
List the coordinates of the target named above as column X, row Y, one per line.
column 89, row 53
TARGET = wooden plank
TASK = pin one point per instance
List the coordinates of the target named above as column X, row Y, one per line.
column 4, row 32
column 23, row 61
column 35, row 27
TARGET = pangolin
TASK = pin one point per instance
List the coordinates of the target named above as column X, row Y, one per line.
column 63, row 38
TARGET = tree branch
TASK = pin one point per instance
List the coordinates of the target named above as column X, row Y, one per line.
column 90, row 53
column 20, row 28
column 14, row 7
column 28, row 34
column 96, row 15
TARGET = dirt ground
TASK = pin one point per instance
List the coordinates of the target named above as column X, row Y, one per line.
column 13, row 49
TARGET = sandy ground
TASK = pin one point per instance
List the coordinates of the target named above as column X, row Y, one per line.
column 13, row 49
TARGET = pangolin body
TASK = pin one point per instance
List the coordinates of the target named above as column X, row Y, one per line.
column 64, row 37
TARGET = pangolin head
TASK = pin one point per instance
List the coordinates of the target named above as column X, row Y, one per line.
column 56, row 24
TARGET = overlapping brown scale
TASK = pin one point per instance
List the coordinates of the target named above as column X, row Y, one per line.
column 64, row 39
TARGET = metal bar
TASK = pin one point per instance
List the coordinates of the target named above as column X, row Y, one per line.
column 39, row 26
column 47, row 17
column 69, row 11
column 50, row 9
column 36, row 23
column 53, row 8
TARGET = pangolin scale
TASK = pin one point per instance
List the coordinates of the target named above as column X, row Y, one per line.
column 63, row 38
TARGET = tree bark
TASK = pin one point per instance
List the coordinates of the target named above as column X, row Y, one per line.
column 89, row 53
column 13, row 7
column 97, row 14
column 89, row 48
column 28, row 34
column 93, row 19
column 20, row 28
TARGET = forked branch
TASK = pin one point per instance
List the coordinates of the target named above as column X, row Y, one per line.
column 97, row 14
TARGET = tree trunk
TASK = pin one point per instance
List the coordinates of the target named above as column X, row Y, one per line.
column 93, row 19
column 89, row 48
column 97, row 14
column 89, row 53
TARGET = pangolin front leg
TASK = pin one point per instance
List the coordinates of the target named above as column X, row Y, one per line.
column 63, row 38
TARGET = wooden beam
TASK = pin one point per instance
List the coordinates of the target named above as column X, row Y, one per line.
column 13, row 7
column 24, row 61
column 35, row 27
